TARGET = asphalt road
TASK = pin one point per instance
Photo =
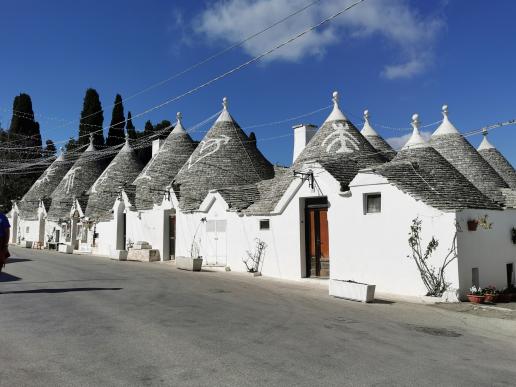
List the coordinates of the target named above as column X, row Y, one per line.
column 88, row 321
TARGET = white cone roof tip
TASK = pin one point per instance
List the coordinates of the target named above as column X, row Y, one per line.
column 368, row 130
column 336, row 114
column 416, row 140
column 485, row 144
column 178, row 129
column 127, row 145
column 224, row 115
column 91, row 147
column 61, row 155
column 446, row 126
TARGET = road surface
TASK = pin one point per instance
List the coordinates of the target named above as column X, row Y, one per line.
column 73, row 320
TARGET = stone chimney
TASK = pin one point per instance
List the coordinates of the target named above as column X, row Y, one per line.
column 303, row 133
column 156, row 144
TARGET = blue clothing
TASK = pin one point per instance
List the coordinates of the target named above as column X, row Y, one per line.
column 4, row 224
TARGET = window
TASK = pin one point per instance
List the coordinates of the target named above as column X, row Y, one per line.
column 216, row 226
column 372, row 203
column 475, row 277
column 265, row 224
column 27, row 229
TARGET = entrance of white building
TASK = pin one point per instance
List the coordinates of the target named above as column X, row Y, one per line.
column 172, row 236
column 317, row 238
column 216, row 242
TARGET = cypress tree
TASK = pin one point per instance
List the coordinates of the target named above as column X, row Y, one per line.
column 131, row 130
column 92, row 119
column 163, row 129
column 50, row 148
column 116, row 128
column 148, row 129
column 24, row 129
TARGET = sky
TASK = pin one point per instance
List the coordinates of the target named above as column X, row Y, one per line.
column 392, row 57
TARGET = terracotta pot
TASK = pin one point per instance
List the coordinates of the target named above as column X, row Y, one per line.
column 472, row 225
column 491, row 298
column 504, row 297
column 476, row 299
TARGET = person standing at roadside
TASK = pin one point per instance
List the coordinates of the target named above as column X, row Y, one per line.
column 4, row 240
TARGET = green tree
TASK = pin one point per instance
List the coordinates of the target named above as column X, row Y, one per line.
column 71, row 145
column 24, row 129
column 116, row 128
column 50, row 148
column 131, row 130
column 148, row 129
column 92, row 119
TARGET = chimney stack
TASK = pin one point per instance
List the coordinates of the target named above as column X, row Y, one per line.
column 303, row 133
column 156, row 144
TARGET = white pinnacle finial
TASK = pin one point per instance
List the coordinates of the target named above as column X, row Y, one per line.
column 415, row 121
column 485, row 144
column 446, row 126
column 225, row 116
column 126, row 146
column 336, row 114
column 416, row 140
column 91, row 147
column 367, row 130
column 61, row 154
column 445, row 111
column 179, row 124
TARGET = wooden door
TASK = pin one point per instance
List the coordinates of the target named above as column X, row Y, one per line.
column 317, row 242
column 172, row 236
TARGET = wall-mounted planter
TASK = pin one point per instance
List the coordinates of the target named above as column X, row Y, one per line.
column 472, row 225
column 188, row 263
column 352, row 290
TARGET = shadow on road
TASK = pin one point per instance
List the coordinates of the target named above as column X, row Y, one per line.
column 64, row 290
column 15, row 260
column 4, row 277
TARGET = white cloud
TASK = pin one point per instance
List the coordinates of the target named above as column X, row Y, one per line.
column 398, row 142
column 395, row 21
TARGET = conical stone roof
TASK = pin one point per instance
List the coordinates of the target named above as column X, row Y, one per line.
column 419, row 170
column 43, row 187
column 163, row 167
column 499, row 163
column 76, row 182
column 376, row 140
column 337, row 146
column 463, row 156
column 339, row 140
column 225, row 157
column 121, row 171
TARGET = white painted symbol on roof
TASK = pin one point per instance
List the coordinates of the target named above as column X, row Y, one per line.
column 102, row 178
column 70, row 179
column 340, row 136
column 214, row 143
column 46, row 177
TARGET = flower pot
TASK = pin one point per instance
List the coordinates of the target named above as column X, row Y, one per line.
column 491, row 297
column 476, row 299
column 472, row 225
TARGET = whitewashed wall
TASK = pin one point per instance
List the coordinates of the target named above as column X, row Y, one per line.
column 373, row 248
column 285, row 252
column 488, row 250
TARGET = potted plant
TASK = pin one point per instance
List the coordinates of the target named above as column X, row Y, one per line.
column 472, row 225
column 476, row 295
column 491, row 294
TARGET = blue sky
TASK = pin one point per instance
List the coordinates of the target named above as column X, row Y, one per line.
column 393, row 57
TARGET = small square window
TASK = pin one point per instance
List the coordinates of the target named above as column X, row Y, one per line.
column 265, row 224
column 27, row 229
column 373, row 203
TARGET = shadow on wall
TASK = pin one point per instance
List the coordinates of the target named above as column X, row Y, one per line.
column 51, row 291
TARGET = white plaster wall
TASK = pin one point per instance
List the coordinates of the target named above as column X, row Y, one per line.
column 489, row 250
column 373, row 248
column 284, row 255
column 105, row 244
column 33, row 226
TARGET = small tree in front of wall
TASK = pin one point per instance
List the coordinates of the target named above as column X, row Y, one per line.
column 253, row 260
column 432, row 277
